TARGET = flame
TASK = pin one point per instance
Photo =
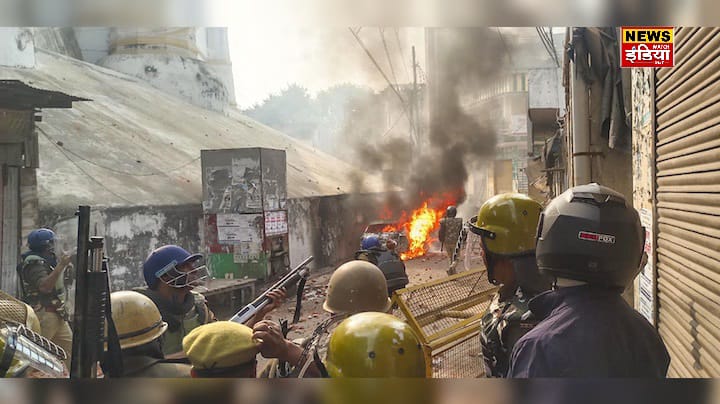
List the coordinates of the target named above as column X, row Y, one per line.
column 389, row 228
column 423, row 221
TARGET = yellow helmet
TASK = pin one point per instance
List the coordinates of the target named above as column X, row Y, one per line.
column 374, row 345
column 137, row 319
column 357, row 286
column 12, row 309
column 508, row 224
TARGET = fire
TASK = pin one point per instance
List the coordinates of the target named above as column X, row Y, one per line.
column 422, row 223
column 389, row 229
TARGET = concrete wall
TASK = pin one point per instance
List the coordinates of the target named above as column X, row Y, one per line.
column 612, row 167
column 19, row 48
column 326, row 227
column 329, row 228
column 131, row 234
column 190, row 79
column 545, row 88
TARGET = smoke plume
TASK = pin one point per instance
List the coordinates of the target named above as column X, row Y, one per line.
column 465, row 63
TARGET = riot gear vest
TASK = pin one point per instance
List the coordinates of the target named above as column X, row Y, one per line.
column 34, row 268
column 502, row 325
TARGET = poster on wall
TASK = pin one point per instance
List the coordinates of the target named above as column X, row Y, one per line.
column 646, row 282
column 246, row 252
column 274, row 179
column 247, row 179
column 232, row 181
column 236, row 228
column 276, row 223
column 217, row 189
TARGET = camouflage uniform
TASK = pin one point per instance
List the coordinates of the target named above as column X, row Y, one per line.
column 501, row 326
column 450, row 228
column 49, row 307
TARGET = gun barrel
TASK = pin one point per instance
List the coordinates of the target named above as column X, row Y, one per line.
column 261, row 301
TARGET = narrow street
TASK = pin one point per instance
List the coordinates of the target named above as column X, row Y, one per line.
column 419, row 270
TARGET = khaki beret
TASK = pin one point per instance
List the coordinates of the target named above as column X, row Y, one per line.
column 221, row 344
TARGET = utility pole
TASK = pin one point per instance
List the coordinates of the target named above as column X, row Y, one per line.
column 414, row 105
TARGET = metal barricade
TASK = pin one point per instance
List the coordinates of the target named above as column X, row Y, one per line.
column 446, row 315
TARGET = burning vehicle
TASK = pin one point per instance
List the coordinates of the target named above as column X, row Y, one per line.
column 413, row 232
column 387, row 230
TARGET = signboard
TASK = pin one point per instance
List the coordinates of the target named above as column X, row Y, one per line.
column 234, row 228
column 647, row 47
column 646, row 300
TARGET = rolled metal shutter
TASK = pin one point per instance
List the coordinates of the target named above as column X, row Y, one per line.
column 687, row 105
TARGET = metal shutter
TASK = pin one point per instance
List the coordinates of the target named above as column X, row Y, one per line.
column 687, row 102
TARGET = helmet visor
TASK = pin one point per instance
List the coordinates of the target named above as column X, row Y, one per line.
column 191, row 274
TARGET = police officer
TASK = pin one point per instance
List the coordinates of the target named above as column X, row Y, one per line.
column 43, row 287
column 171, row 273
column 591, row 241
column 449, row 231
column 387, row 259
column 354, row 287
column 222, row 349
column 140, row 328
column 375, row 345
column 505, row 230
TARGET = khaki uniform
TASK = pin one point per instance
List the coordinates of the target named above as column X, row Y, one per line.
column 145, row 366
column 49, row 307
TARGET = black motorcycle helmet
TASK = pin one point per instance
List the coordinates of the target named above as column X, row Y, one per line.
column 590, row 234
column 451, row 211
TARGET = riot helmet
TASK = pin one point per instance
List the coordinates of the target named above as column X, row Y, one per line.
column 39, row 239
column 505, row 227
column 375, row 345
column 174, row 266
column 357, row 286
column 591, row 234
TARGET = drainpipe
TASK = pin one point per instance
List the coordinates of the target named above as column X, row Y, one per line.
column 580, row 116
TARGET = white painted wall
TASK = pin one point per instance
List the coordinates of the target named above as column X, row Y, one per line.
column 17, row 48
column 218, row 55
column 94, row 42
column 189, row 79
column 172, row 60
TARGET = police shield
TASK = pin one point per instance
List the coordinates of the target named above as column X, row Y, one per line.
column 474, row 252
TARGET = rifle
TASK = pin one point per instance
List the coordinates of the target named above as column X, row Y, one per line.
column 92, row 304
column 292, row 277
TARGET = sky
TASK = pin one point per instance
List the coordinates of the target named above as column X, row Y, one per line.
column 267, row 57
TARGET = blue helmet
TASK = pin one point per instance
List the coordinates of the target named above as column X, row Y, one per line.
column 38, row 239
column 164, row 261
column 370, row 242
